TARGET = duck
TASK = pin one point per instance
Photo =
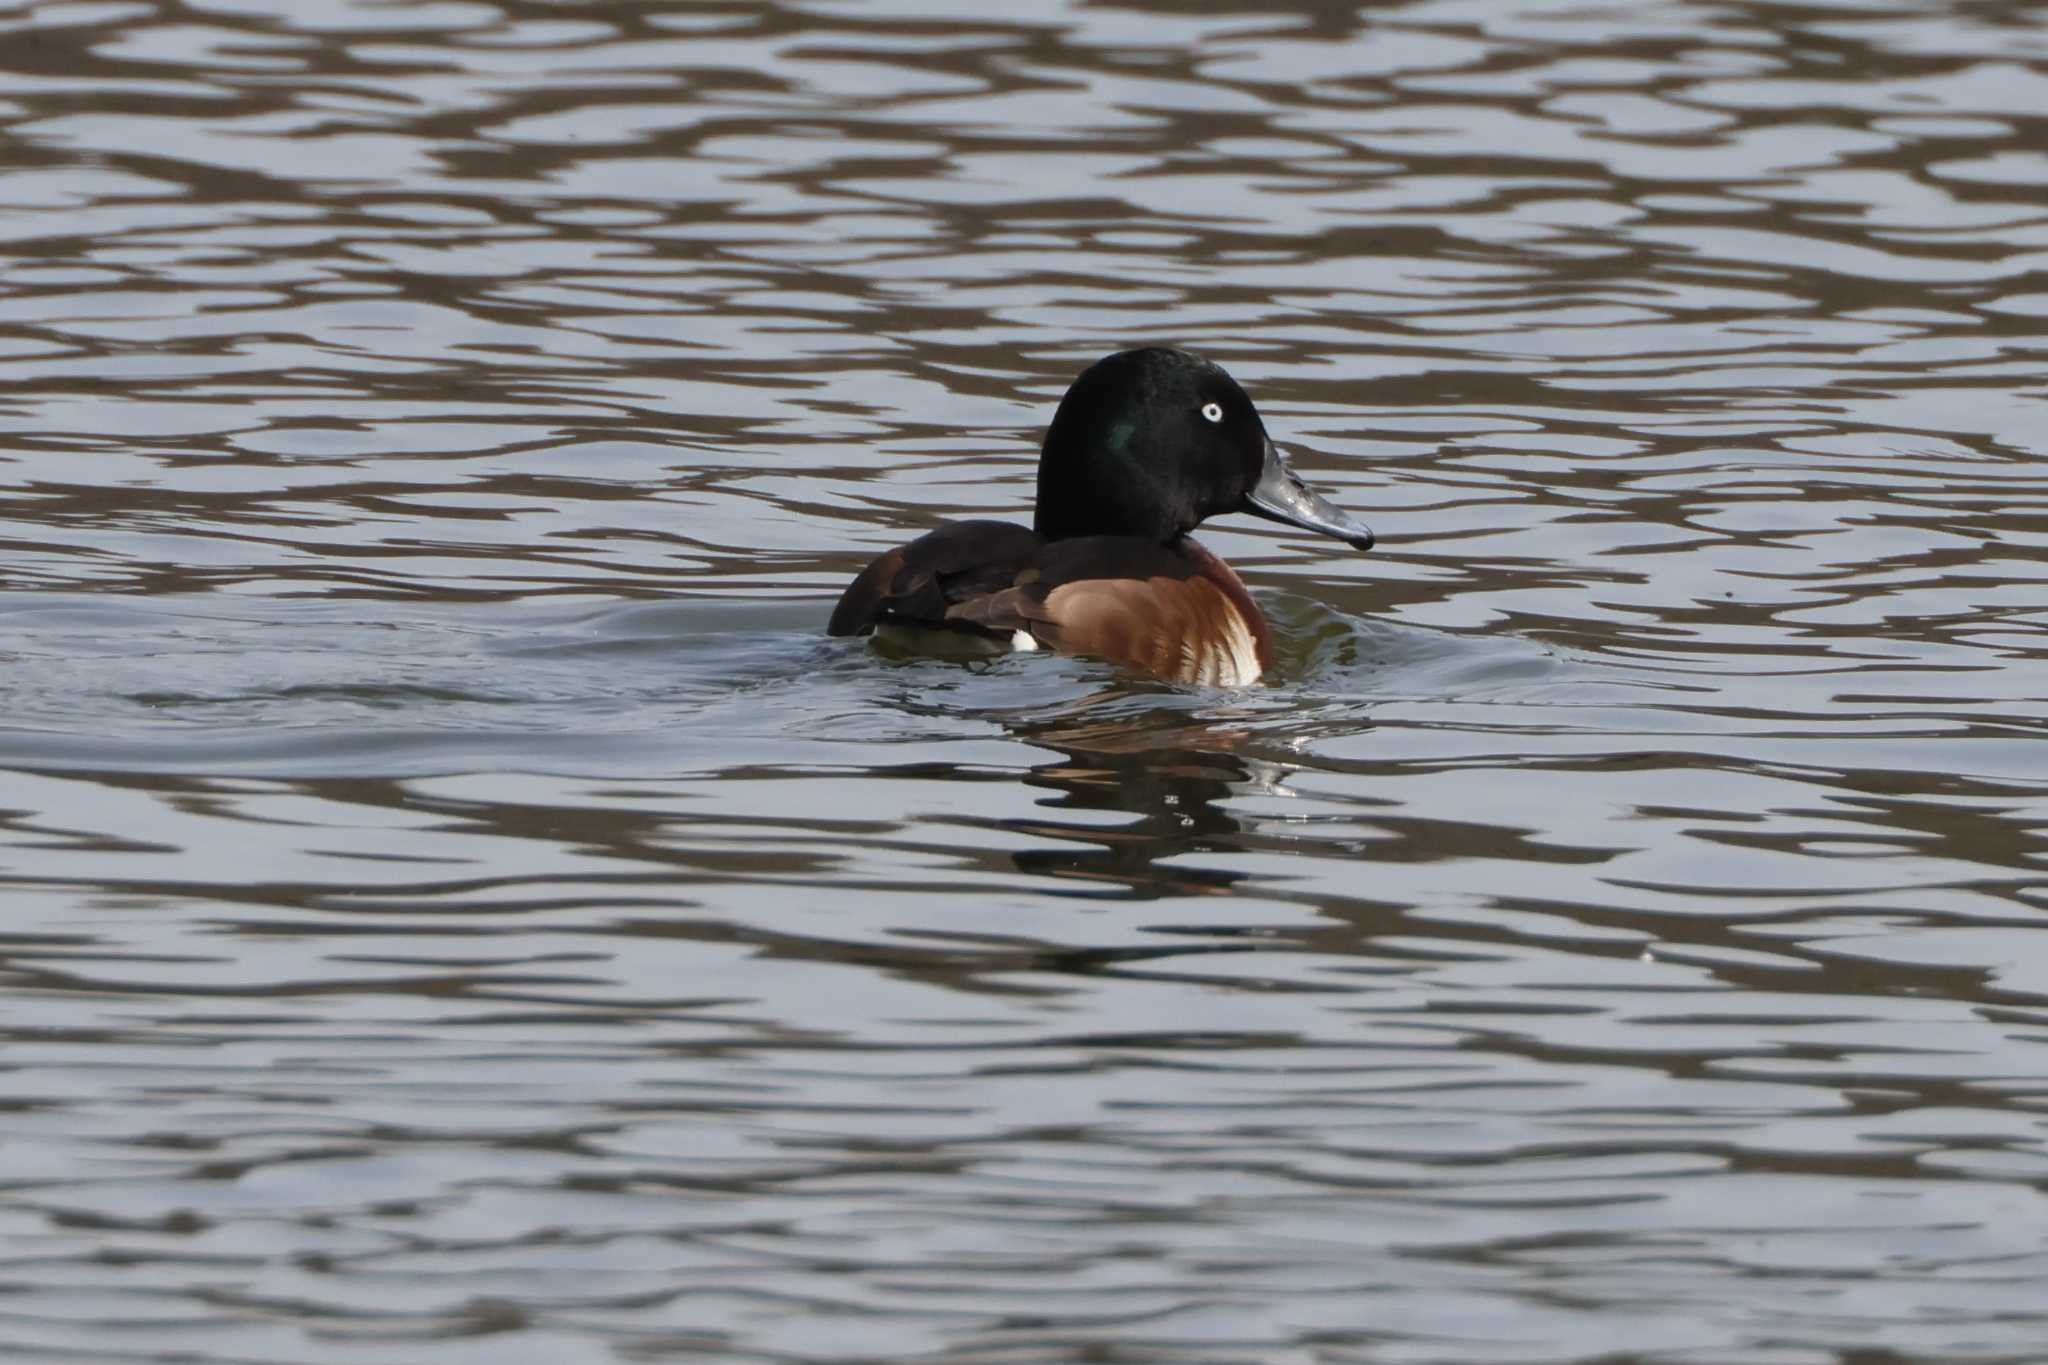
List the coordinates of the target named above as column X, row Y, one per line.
column 1145, row 446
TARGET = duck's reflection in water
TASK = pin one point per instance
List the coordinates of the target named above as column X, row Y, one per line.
column 1171, row 770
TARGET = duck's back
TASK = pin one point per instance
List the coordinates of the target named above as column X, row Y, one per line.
column 916, row 584
column 1176, row 610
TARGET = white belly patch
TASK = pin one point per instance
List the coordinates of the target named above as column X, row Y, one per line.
column 1231, row 661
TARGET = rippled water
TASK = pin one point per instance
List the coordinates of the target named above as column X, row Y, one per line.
column 460, row 907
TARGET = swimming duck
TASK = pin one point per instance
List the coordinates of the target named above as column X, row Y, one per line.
column 1145, row 445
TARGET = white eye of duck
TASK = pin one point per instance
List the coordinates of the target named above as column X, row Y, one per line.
column 1213, row 411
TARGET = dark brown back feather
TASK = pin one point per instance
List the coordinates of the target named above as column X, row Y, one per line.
column 918, row 582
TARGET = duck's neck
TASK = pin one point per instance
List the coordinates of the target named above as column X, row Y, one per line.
column 1102, row 493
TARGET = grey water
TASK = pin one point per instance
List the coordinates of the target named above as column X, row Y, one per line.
column 456, row 905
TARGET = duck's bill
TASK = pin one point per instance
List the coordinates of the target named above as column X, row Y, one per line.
column 1282, row 496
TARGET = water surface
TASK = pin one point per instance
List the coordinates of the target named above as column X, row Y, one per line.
column 459, row 906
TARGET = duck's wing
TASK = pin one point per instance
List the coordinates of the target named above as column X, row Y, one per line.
column 1176, row 611
column 920, row 583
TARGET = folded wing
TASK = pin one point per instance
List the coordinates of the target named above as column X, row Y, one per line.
column 916, row 584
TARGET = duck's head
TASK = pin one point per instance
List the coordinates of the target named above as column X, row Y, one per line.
column 1150, row 442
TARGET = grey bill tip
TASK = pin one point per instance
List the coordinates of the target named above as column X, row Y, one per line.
column 1280, row 495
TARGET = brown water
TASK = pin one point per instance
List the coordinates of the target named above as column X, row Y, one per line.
column 460, row 908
